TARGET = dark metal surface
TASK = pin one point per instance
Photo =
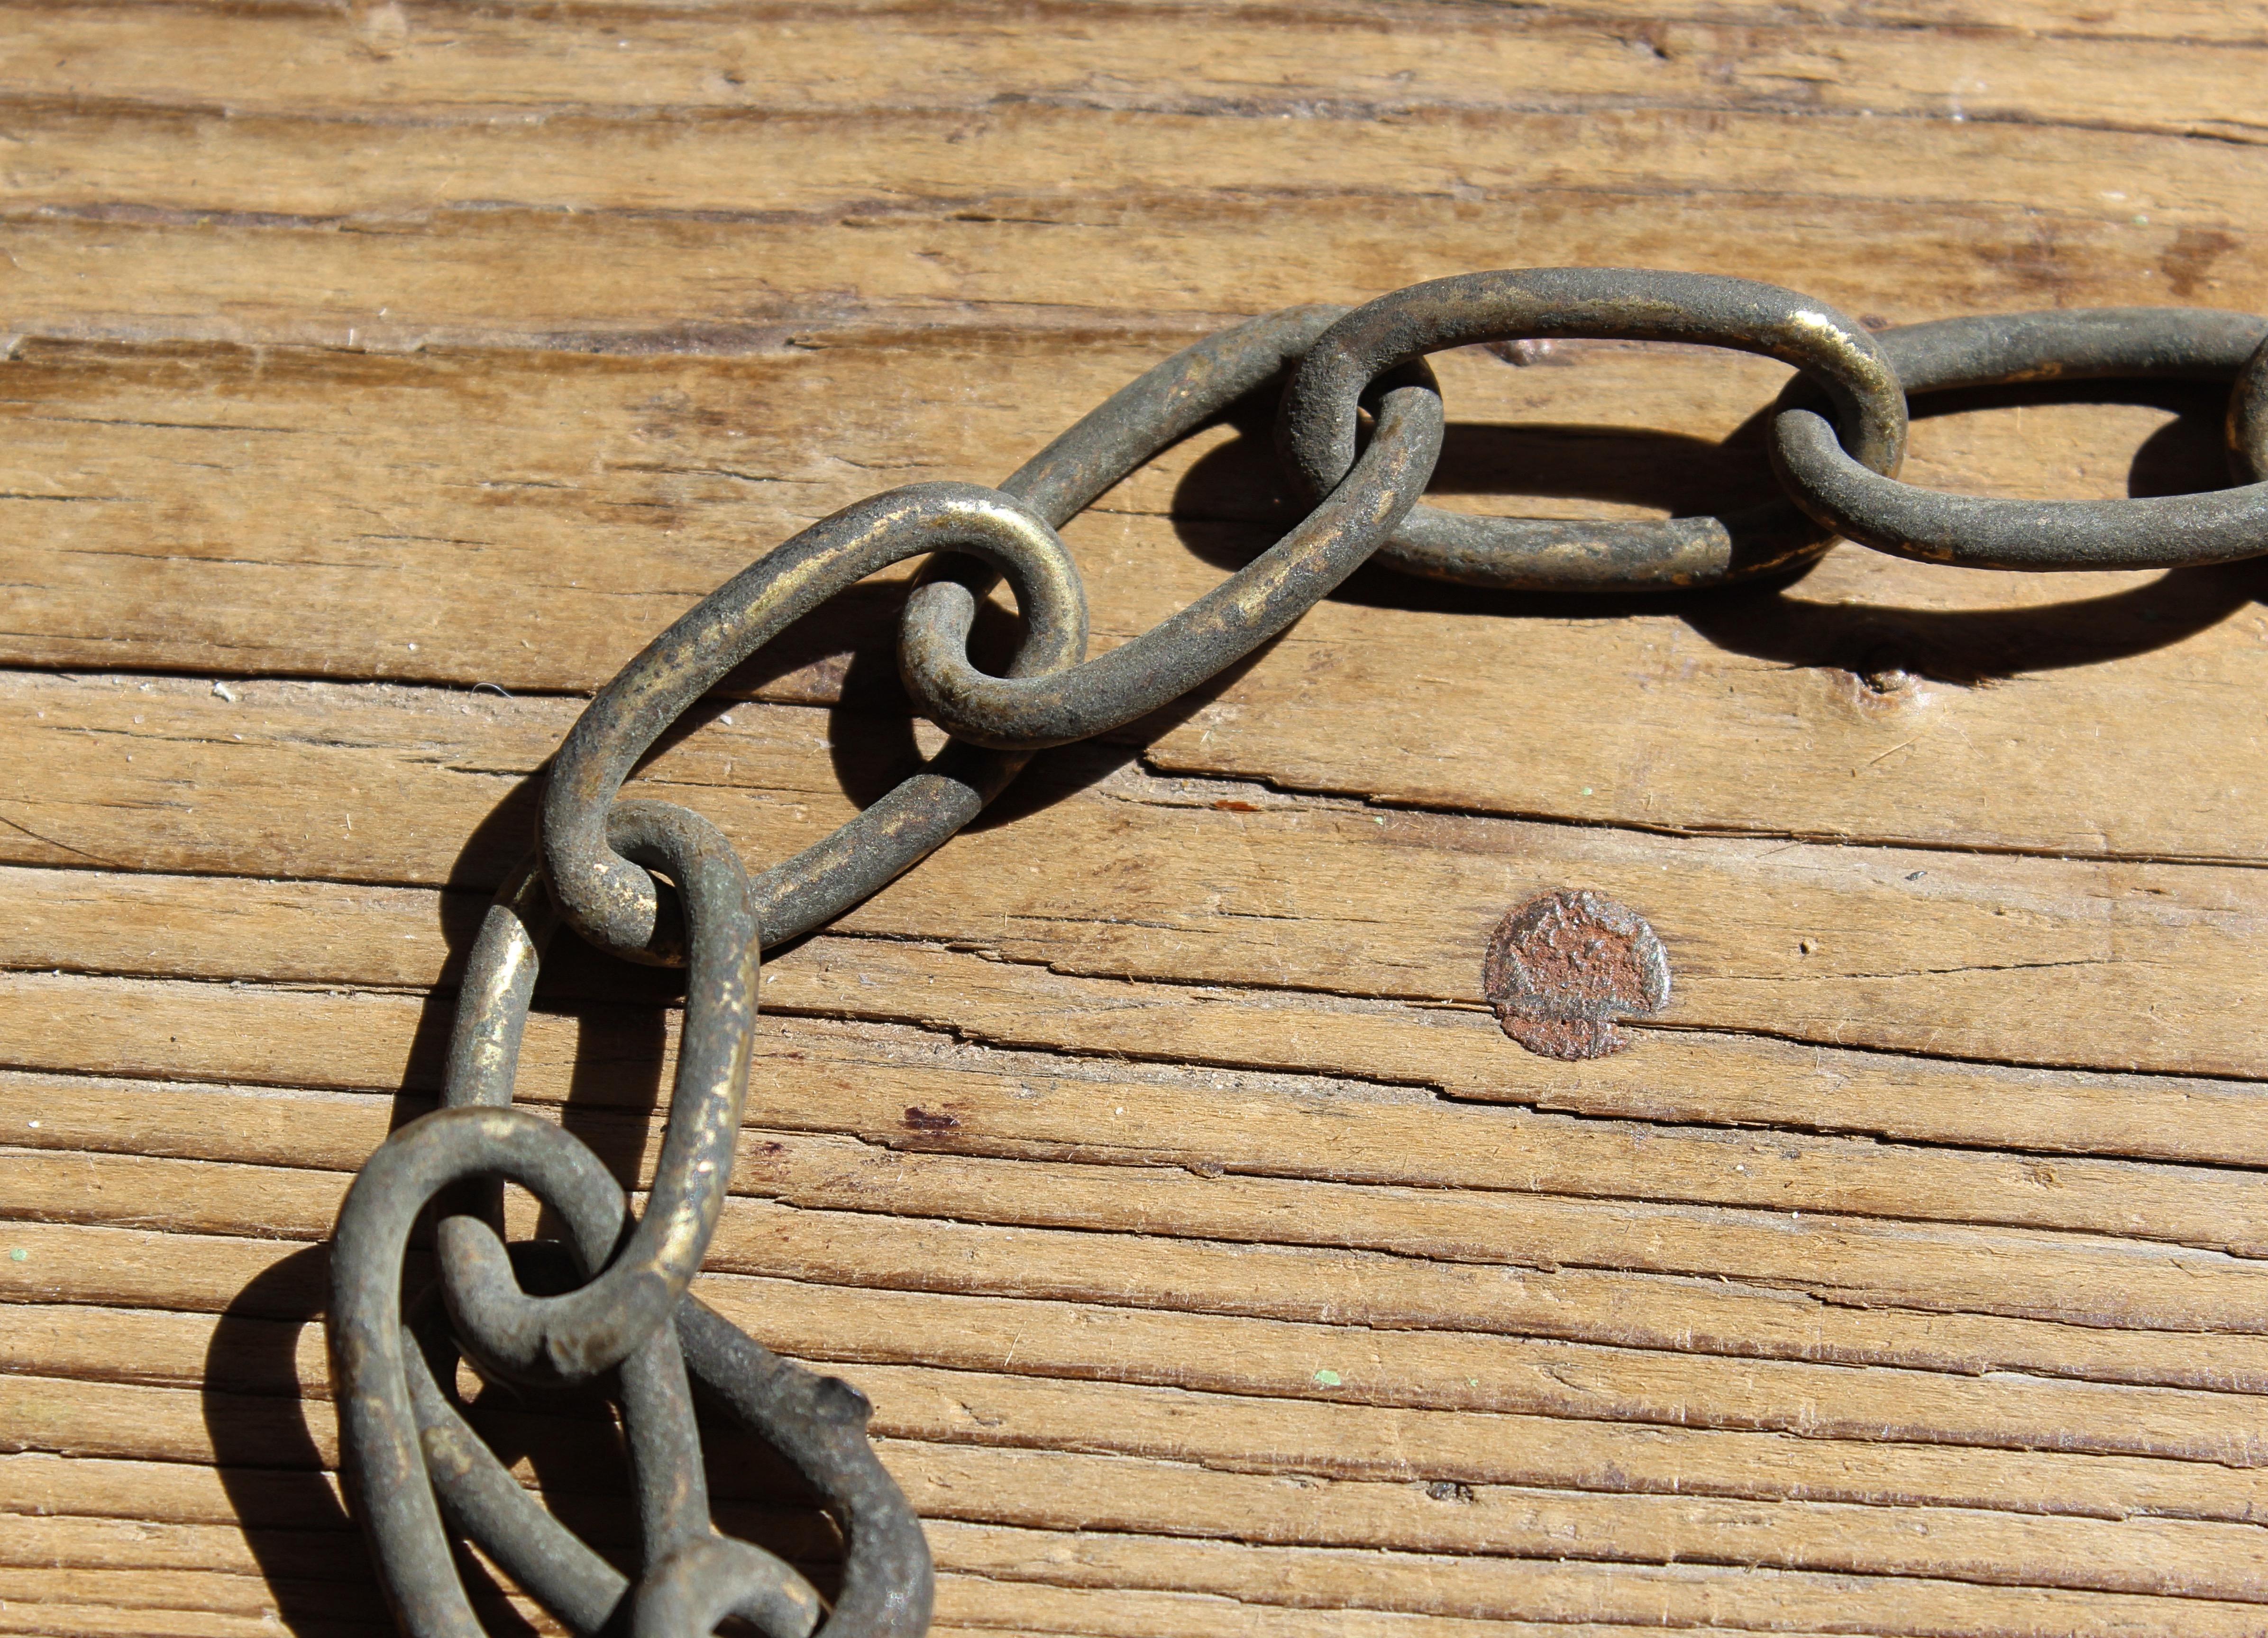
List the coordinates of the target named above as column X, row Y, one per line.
column 609, row 1307
column 373, row 1360
column 595, row 1327
column 2153, row 531
column 818, row 1424
column 1315, row 431
column 2248, row 419
column 1226, row 623
column 611, row 901
column 704, row 1580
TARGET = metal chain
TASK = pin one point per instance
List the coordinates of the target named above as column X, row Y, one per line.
column 609, row 1308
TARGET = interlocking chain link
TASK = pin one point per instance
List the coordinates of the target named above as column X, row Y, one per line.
column 1226, row 623
column 2155, row 531
column 1316, row 425
column 609, row 1307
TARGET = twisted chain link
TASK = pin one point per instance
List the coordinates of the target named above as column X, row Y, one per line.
column 608, row 1306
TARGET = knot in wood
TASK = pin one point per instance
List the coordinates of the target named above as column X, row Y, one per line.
column 1564, row 965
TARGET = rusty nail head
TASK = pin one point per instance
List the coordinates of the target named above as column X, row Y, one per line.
column 1565, row 965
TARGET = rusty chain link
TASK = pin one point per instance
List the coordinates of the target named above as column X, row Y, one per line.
column 608, row 1307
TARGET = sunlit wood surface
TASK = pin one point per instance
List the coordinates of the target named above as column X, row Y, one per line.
column 380, row 377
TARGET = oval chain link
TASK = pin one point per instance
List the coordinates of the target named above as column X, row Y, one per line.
column 615, row 903
column 1316, row 429
column 1971, row 532
column 611, row 1307
column 1191, row 647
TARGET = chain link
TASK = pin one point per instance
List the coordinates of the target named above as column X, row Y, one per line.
column 612, row 902
column 1194, row 645
column 609, row 1308
column 1316, row 428
column 2153, row 531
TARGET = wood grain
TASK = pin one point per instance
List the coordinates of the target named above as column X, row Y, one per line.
column 378, row 378
column 1234, row 886
column 432, row 59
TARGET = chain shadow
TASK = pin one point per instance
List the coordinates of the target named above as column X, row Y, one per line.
column 1229, row 505
column 872, row 751
column 271, row 1468
column 842, row 658
column 1232, row 504
column 275, row 1472
column 1881, row 644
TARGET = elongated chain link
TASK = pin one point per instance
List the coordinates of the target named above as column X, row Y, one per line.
column 609, row 1305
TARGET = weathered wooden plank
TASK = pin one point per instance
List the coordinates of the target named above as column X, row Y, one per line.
column 1233, row 1063
column 810, row 1244
column 240, row 1356
column 515, row 570
column 836, row 1129
column 531, row 521
column 723, row 161
column 1462, row 1264
column 204, row 1604
column 710, row 283
column 282, row 932
column 1620, row 1275
column 1218, row 1431
column 449, row 61
column 956, row 1408
column 362, row 1040
column 1846, row 1259
column 1916, row 952
column 328, row 935
column 126, row 528
column 2192, row 20
column 1280, row 1358
column 1351, row 1128
column 173, row 1492
column 135, row 1604
column 208, row 1604
column 1327, row 1579
column 1054, row 1490
column 1333, row 1578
